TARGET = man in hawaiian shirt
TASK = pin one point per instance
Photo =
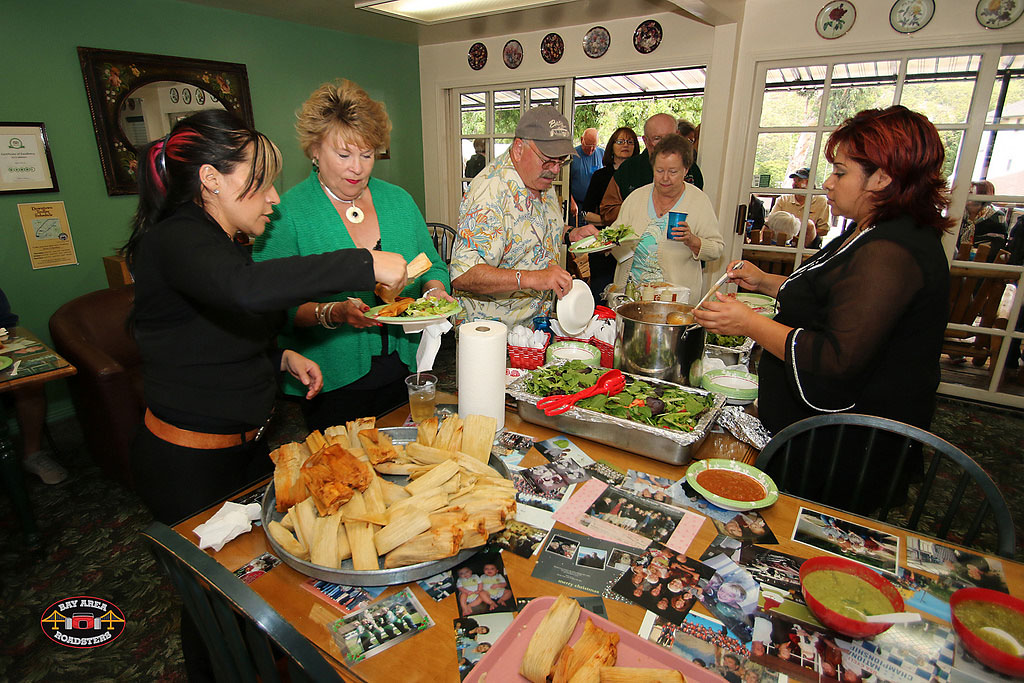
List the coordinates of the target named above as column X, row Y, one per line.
column 505, row 262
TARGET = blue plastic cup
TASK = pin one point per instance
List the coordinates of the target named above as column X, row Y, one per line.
column 675, row 219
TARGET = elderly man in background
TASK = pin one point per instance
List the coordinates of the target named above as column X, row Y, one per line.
column 636, row 171
column 589, row 158
column 818, row 221
column 505, row 262
column 690, row 132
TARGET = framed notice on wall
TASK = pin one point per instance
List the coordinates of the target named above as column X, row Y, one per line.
column 47, row 235
column 25, row 161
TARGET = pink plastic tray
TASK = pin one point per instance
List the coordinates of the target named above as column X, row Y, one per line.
column 501, row 663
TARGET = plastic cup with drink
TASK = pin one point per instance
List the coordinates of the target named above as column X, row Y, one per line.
column 675, row 220
column 422, row 395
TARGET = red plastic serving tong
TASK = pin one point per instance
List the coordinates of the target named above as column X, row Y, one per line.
column 611, row 383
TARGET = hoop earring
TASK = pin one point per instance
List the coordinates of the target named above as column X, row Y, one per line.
column 316, row 165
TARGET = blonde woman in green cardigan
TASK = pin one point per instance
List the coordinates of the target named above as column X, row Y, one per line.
column 340, row 206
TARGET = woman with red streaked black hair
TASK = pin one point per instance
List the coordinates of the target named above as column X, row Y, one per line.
column 206, row 316
column 860, row 324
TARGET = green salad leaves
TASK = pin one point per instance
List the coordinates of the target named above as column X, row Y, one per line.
column 730, row 340
column 429, row 307
column 658, row 405
column 614, row 235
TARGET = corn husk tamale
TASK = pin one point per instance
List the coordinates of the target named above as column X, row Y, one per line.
column 478, row 435
column 427, row 455
column 392, row 492
column 315, row 441
column 433, row 479
column 324, row 550
column 428, row 502
column 344, row 550
column 547, row 641
column 285, row 539
column 426, row 431
column 582, row 662
column 626, row 674
column 355, row 426
column 304, row 515
column 337, row 434
column 409, row 525
column 400, row 469
column 449, row 436
column 433, row 544
column 360, row 536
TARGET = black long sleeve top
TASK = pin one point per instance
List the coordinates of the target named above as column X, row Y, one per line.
column 206, row 317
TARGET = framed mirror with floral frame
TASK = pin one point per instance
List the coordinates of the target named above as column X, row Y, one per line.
column 113, row 80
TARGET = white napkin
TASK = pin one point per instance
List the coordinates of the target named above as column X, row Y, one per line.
column 228, row 523
column 430, row 343
column 622, row 252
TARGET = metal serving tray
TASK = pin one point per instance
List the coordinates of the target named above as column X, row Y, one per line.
column 348, row 576
column 668, row 446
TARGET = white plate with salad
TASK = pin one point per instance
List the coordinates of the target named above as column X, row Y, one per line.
column 421, row 310
column 608, row 238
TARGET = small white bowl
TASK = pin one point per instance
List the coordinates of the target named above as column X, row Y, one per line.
column 575, row 310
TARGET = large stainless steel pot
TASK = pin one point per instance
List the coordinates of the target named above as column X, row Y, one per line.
column 646, row 344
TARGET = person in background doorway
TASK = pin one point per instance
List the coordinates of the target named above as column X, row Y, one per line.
column 589, row 158
column 636, row 171
column 982, row 222
column 476, row 163
column 819, row 218
column 691, row 132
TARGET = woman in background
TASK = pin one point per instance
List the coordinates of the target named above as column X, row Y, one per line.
column 206, row 316
column 340, row 206
column 860, row 323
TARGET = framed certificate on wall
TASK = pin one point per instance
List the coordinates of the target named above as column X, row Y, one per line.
column 25, row 161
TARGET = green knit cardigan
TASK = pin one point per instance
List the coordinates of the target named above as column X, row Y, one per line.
column 305, row 222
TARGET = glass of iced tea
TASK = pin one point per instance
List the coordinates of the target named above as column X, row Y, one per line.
column 422, row 395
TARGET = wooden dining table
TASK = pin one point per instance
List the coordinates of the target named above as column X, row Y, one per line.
column 431, row 654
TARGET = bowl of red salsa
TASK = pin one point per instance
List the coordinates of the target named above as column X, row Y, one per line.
column 731, row 484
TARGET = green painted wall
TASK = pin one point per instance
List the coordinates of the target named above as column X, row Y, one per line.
column 41, row 80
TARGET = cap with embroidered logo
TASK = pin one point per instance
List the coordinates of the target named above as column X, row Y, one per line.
column 548, row 129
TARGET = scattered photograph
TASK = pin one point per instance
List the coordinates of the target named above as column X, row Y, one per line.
column 748, row 527
column 257, row 568
column 920, row 652
column 482, row 585
column 954, row 568
column 870, row 547
column 533, row 506
column 665, row 582
column 377, row 627
column 254, row 496
column 346, row 598
column 774, row 568
column 621, row 560
column 923, row 594
column 731, row 595
column 562, row 546
column 687, row 497
column 546, row 479
column 557, row 563
column 438, row 586
column 475, row 635
column 783, row 645
column 707, row 643
column 561, row 446
column 606, row 472
column 636, row 515
column 591, row 557
column 511, row 447
column 520, row 538
column 651, row 487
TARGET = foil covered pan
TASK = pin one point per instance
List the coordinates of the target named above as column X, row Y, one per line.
column 348, row 576
column 666, row 445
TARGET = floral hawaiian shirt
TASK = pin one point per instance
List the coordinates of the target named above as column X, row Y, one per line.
column 502, row 225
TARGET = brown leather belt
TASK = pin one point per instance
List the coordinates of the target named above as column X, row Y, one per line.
column 200, row 440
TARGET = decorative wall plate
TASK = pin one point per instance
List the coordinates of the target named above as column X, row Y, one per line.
column 835, row 19
column 647, row 37
column 173, row 95
column 200, row 96
column 512, row 55
column 998, row 13
column 552, row 48
column 908, row 16
column 596, row 42
column 186, row 96
column 477, row 56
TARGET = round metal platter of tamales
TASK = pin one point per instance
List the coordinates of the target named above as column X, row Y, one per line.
column 346, row 574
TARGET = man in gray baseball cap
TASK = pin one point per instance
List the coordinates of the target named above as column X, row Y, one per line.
column 505, row 262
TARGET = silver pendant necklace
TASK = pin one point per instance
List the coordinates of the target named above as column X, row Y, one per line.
column 353, row 212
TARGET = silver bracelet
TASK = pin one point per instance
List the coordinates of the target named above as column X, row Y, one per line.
column 328, row 311
column 519, row 280
column 432, row 289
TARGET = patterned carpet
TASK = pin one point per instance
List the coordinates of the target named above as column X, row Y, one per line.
column 91, row 547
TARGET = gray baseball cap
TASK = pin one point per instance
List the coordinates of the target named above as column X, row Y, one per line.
column 801, row 173
column 548, row 129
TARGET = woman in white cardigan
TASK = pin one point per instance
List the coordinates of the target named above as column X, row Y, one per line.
column 656, row 256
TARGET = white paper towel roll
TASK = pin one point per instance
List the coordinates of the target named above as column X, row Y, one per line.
column 481, row 369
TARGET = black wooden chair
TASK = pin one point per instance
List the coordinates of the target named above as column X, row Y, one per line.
column 817, row 445
column 244, row 635
column 444, row 239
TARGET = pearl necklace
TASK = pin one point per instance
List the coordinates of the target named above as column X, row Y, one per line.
column 353, row 212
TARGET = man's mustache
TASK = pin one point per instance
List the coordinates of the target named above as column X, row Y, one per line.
column 548, row 175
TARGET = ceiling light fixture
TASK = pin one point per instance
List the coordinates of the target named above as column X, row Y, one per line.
column 440, row 11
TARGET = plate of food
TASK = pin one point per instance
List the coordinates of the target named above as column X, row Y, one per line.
column 379, row 513
column 555, row 637
column 407, row 310
column 990, row 626
column 739, row 387
column 732, row 484
column 608, row 238
column 761, row 303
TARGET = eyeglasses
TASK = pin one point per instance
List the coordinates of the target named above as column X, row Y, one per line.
column 557, row 162
column 625, row 141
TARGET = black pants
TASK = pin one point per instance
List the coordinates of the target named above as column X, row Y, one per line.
column 377, row 393
column 176, row 482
